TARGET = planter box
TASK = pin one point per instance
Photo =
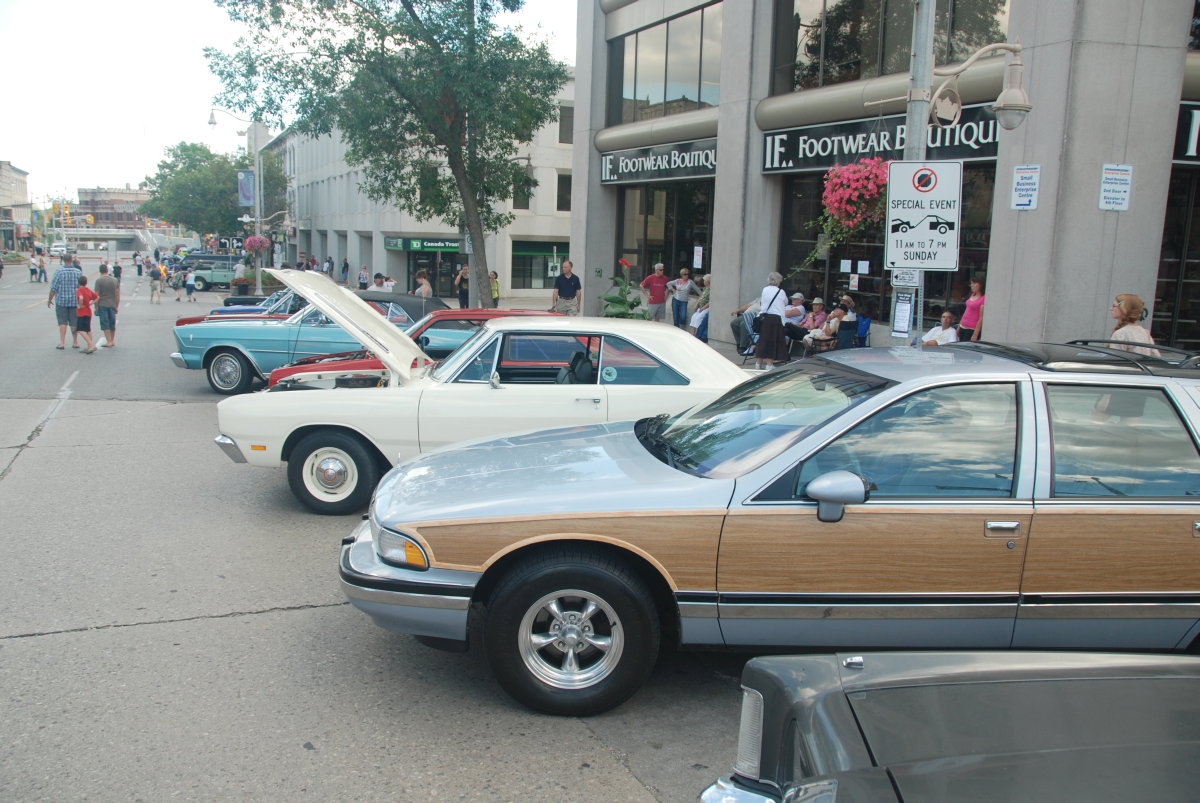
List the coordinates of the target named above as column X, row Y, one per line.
column 241, row 289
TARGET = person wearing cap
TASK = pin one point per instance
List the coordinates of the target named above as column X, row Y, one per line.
column 816, row 318
column 793, row 318
column 378, row 281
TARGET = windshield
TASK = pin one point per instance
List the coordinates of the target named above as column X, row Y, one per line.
column 452, row 363
column 763, row 417
column 416, row 327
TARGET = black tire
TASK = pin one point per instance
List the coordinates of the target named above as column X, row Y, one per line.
column 229, row 373
column 327, row 497
column 201, row 284
column 550, row 572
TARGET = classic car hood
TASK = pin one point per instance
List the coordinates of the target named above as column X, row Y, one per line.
column 600, row 467
column 368, row 327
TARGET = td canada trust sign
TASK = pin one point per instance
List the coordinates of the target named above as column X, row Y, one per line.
column 676, row 162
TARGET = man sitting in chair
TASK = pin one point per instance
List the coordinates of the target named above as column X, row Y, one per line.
column 942, row 334
column 825, row 338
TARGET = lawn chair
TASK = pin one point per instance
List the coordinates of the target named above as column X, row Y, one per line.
column 862, row 339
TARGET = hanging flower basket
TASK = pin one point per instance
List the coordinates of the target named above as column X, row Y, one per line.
column 254, row 243
column 854, row 201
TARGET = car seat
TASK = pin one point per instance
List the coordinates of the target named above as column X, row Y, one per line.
column 574, row 373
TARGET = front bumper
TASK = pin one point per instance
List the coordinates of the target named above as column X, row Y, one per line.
column 177, row 358
column 726, row 790
column 230, row 448
column 431, row 603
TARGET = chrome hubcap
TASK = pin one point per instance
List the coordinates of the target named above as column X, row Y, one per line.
column 332, row 473
column 226, row 371
column 571, row 639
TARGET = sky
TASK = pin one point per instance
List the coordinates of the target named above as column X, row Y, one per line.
column 135, row 80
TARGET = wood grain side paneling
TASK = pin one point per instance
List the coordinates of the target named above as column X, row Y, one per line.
column 682, row 545
column 1086, row 550
column 871, row 550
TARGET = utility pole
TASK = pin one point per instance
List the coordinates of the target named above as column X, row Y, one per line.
column 258, row 289
column 920, row 79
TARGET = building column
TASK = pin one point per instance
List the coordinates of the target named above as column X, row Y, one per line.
column 748, row 205
column 593, row 207
column 1105, row 80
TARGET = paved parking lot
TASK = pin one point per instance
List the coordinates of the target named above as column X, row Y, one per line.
column 173, row 627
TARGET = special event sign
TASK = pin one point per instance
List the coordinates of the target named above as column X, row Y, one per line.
column 922, row 224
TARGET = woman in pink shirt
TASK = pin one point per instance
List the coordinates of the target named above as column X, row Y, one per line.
column 972, row 320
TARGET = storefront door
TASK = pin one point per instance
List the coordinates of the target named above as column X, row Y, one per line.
column 1176, row 319
column 440, row 268
column 667, row 223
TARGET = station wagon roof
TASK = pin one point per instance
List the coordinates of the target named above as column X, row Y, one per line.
column 904, row 364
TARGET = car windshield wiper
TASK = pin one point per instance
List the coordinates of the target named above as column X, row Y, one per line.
column 653, row 433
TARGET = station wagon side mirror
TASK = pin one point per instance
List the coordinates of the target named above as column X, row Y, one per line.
column 833, row 491
column 495, row 381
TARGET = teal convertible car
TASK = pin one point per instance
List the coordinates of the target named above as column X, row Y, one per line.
column 234, row 352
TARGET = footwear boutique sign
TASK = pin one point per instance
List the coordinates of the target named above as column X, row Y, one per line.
column 820, row 147
column 681, row 160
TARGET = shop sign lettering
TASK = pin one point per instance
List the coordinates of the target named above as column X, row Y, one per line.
column 820, row 147
column 1187, row 133
column 681, row 160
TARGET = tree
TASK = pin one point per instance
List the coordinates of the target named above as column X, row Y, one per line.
column 197, row 188
column 429, row 96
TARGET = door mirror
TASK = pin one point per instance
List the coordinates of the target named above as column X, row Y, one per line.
column 834, row 490
column 423, row 342
column 495, row 381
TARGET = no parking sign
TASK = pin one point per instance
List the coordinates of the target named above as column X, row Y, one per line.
column 924, row 201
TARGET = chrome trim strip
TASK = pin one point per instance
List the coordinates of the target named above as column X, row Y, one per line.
column 698, row 610
column 400, row 598
column 1110, row 610
column 230, row 448
column 177, row 358
column 915, row 611
column 1044, row 469
column 1026, row 468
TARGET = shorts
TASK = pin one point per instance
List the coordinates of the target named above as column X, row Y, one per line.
column 108, row 318
column 83, row 323
column 658, row 312
column 362, row 285
column 65, row 315
column 156, row 284
column 191, row 288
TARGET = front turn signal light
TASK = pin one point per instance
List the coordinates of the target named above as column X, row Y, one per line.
column 400, row 550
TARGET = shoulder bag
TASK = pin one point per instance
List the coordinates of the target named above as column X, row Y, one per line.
column 757, row 323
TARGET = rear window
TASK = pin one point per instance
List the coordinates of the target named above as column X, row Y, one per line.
column 927, row 722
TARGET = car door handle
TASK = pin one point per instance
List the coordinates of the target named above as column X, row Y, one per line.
column 593, row 401
column 1002, row 529
column 1196, row 529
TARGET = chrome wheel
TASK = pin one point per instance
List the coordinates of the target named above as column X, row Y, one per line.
column 226, row 371
column 330, row 474
column 571, row 639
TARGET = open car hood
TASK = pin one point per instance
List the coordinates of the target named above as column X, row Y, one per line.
column 394, row 348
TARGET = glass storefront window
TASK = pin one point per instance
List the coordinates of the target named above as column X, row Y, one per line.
column 823, row 42
column 668, row 68
column 1176, row 320
column 824, row 277
column 535, row 264
column 665, row 223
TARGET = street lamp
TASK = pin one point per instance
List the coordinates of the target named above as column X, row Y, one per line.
column 1012, row 104
column 212, row 122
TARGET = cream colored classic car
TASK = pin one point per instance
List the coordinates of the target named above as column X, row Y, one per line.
column 513, row 374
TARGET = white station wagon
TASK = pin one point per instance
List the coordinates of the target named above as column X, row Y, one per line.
column 512, row 375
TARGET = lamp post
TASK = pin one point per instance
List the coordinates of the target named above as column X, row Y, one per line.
column 1010, row 107
column 212, row 123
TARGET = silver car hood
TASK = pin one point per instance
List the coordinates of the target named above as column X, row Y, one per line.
column 575, row 470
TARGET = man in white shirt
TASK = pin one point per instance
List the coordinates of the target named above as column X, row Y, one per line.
column 942, row 334
column 793, row 316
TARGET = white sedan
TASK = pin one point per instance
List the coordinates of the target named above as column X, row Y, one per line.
column 512, row 375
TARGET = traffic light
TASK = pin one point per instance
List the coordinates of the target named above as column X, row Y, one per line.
column 54, row 209
column 90, row 220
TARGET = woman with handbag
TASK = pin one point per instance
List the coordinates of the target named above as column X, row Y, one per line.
column 771, row 347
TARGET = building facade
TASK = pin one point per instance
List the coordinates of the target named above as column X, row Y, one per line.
column 331, row 216
column 110, row 208
column 706, row 129
column 16, row 223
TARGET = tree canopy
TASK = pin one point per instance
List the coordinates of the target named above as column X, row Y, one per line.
column 430, row 97
column 197, row 188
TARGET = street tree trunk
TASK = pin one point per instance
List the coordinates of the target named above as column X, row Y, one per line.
column 481, row 283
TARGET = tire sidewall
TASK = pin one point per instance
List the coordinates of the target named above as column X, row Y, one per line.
column 633, row 606
column 200, row 285
column 364, row 465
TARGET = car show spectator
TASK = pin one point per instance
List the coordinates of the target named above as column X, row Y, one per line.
column 682, row 290
column 654, row 287
column 462, row 283
column 1128, row 310
column 793, row 318
column 189, row 283
column 941, row 334
column 494, row 281
column 84, row 296
column 828, row 330
column 771, row 348
column 378, row 282
column 424, row 289
column 567, row 296
column 742, row 317
column 364, row 276
column 699, row 322
column 62, row 297
column 156, row 277
column 108, row 300
column 971, row 324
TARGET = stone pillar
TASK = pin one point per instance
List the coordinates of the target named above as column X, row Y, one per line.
column 593, row 207
column 1105, row 78
column 748, row 205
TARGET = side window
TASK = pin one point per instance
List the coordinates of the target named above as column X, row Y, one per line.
column 441, row 338
column 398, row 315
column 481, row 366
column 622, row 363
column 1120, row 442
column 951, row 442
column 538, row 358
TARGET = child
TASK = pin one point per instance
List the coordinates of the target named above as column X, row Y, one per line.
column 84, row 297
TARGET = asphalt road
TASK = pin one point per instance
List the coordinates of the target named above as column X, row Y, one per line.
column 173, row 627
